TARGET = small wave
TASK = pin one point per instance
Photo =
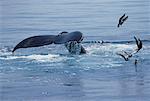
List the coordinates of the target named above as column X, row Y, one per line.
column 92, row 49
column 114, row 42
column 109, row 48
column 6, row 54
column 39, row 58
column 6, row 50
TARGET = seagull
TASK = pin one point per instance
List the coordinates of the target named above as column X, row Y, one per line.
column 125, row 56
column 138, row 43
column 128, row 54
column 122, row 20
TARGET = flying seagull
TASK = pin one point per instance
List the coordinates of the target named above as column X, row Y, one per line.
column 125, row 55
column 138, row 43
column 128, row 54
column 122, row 20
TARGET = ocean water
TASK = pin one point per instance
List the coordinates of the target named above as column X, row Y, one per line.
column 50, row 73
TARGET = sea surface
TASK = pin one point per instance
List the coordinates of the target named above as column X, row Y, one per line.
column 50, row 73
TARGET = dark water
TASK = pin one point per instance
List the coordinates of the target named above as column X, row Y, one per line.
column 50, row 73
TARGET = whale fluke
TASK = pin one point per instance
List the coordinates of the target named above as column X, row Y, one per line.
column 72, row 36
column 75, row 47
column 35, row 41
column 41, row 40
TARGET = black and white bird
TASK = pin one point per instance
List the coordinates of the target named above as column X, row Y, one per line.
column 127, row 55
column 138, row 43
column 122, row 19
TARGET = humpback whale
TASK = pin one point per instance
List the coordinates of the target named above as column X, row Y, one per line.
column 75, row 48
column 72, row 39
column 122, row 19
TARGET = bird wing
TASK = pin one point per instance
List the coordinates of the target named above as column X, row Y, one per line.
column 126, row 59
column 122, row 16
column 128, row 54
column 139, row 45
column 118, row 25
column 120, row 20
column 136, row 40
column 125, row 18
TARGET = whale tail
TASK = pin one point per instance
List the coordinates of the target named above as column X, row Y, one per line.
column 75, row 47
column 35, row 41
column 41, row 40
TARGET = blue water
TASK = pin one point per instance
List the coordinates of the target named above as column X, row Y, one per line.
column 50, row 73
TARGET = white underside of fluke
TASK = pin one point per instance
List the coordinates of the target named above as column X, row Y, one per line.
column 73, row 47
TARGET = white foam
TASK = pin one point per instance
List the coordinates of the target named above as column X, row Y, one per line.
column 102, row 51
column 40, row 58
column 109, row 48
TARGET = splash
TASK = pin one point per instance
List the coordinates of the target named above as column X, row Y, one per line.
column 98, row 56
column 38, row 58
column 108, row 48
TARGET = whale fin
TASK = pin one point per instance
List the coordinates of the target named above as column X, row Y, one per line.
column 35, row 41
